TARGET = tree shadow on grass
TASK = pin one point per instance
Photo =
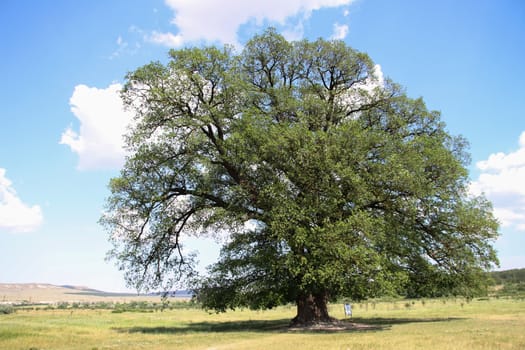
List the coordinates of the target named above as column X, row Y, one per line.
column 385, row 323
column 211, row 327
column 282, row 325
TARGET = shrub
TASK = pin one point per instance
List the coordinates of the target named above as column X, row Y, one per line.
column 6, row 309
column 62, row 305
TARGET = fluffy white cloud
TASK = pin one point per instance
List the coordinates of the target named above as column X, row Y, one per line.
column 340, row 31
column 212, row 20
column 103, row 121
column 501, row 161
column 166, row 39
column 16, row 216
column 501, row 180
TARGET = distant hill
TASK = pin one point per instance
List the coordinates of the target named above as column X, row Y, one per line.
column 80, row 288
column 508, row 276
column 49, row 293
column 75, row 290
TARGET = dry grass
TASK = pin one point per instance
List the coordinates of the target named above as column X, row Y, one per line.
column 431, row 324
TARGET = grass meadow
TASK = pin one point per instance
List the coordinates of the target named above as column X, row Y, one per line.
column 413, row 324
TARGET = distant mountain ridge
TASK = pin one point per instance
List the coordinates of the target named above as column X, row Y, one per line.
column 81, row 288
column 49, row 293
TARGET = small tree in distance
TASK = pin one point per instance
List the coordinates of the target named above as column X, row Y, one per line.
column 351, row 188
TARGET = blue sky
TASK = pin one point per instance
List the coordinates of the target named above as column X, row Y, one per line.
column 61, row 120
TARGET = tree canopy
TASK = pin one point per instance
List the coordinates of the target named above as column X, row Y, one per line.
column 350, row 188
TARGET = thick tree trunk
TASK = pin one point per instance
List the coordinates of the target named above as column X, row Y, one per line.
column 312, row 309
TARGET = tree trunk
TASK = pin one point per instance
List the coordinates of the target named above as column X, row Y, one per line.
column 312, row 309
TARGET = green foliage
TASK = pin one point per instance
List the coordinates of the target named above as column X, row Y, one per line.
column 508, row 282
column 352, row 188
column 62, row 305
column 116, row 307
column 6, row 309
column 134, row 306
column 508, row 276
column 513, row 289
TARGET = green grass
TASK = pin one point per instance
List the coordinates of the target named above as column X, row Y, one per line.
column 418, row 324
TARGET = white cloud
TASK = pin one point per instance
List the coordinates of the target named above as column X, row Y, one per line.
column 501, row 180
column 211, row 20
column 121, row 47
column 501, row 161
column 16, row 216
column 293, row 32
column 340, row 31
column 166, row 39
column 103, row 122
column 126, row 48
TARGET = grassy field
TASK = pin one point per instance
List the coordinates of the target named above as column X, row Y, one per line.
column 418, row 324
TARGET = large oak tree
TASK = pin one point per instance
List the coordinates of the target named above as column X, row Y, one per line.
column 351, row 188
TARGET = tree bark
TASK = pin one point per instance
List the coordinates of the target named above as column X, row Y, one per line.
column 312, row 309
